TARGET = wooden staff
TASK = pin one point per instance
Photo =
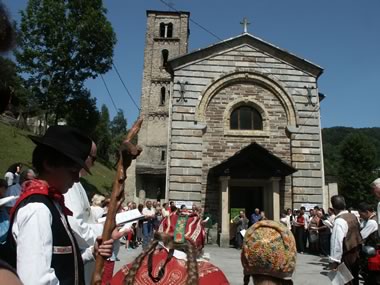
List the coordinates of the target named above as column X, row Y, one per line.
column 127, row 152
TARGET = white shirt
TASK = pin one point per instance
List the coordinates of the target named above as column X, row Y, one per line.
column 82, row 222
column 13, row 190
column 148, row 212
column 165, row 213
column 9, row 176
column 306, row 218
column 368, row 228
column 34, row 239
column 284, row 221
column 331, row 219
column 339, row 232
column 97, row 212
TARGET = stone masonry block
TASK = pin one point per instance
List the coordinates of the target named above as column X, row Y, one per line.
column 186, row 154
column 306, row 191
column 186, row 125
column 307, row 165
column 187, row 147
column 187, row 139
column 183, row 117
column 185, row 179
column 307, row 182
column 318, row 199
column 186, row 171
column 191, row 187
column 185, row 196
column 186, row 162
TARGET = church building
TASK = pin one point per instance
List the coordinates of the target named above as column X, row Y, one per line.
column 235, row 125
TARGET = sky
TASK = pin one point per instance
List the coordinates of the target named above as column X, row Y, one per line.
column 341, row 36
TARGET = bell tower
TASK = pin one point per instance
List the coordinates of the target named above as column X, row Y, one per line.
column 166, row 38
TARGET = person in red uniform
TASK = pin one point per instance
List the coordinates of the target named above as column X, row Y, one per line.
column 172, row 257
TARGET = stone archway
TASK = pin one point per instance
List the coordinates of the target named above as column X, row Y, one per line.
column 258, row 78
column 251, row 167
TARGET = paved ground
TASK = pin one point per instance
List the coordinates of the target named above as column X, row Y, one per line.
column 309, row 269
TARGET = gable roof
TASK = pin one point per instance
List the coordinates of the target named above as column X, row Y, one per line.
column 256, row 42
column 253, row 160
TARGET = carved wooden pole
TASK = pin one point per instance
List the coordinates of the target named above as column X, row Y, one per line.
column 127, row 152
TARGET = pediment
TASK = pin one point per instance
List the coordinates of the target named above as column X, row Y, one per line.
column 245, row 41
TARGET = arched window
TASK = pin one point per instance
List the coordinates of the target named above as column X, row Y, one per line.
column 162, row 97
column 246, row 118
column 165, row 55
column 170, row 30
column 162, row 30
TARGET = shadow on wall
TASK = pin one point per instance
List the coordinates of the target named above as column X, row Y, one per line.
column 212, row 205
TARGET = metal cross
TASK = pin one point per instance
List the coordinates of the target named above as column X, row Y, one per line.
column 245, row 24
column 310, row 99
column 182, row 91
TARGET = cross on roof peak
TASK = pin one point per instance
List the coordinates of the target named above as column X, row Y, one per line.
column 245, row 24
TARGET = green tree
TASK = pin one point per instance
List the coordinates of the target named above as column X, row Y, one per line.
column 82, row 112
column 119, row 124
column 357, row 168
column 102, row 135
column 118, row 132
column 63, row 43
column 22, row 100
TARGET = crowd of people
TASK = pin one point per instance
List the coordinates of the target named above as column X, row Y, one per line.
column 340, row 235
column 51, row 221
column 311, row 229
column 50, row 234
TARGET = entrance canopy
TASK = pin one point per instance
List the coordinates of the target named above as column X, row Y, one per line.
column 253, row 161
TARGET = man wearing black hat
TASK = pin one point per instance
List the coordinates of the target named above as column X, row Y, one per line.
column 46, row 249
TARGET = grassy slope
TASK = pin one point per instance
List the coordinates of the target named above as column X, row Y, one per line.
column 17, row 147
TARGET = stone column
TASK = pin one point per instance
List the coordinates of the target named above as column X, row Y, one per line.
column 276, row 198
column 130, row 183
column 268, row 200
column 225, row 215
column 333, row 190
column 325, row 196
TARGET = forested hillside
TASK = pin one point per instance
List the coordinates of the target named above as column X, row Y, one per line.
column 332, row 140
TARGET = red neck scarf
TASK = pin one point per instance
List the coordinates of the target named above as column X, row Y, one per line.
column 36, row 186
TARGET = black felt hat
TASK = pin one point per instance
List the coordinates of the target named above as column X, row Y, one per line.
column 67, row 140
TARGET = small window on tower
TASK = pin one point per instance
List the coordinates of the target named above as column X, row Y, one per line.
column 162, row 97
column 169, row 30
column 162, row 155
column 165, row 55
column 162, row 30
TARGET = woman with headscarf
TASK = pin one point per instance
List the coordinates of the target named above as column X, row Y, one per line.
column 269, row 254
column 173, row 257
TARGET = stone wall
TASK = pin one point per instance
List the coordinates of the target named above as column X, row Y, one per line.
column 217, row 146
column 153, row 135
column 195, row 143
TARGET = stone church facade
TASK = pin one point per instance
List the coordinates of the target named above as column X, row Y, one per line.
column 235, row 125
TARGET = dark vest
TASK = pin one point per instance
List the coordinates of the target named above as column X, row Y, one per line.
column 67, row 259
column 373, row 239
column 353, row 239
